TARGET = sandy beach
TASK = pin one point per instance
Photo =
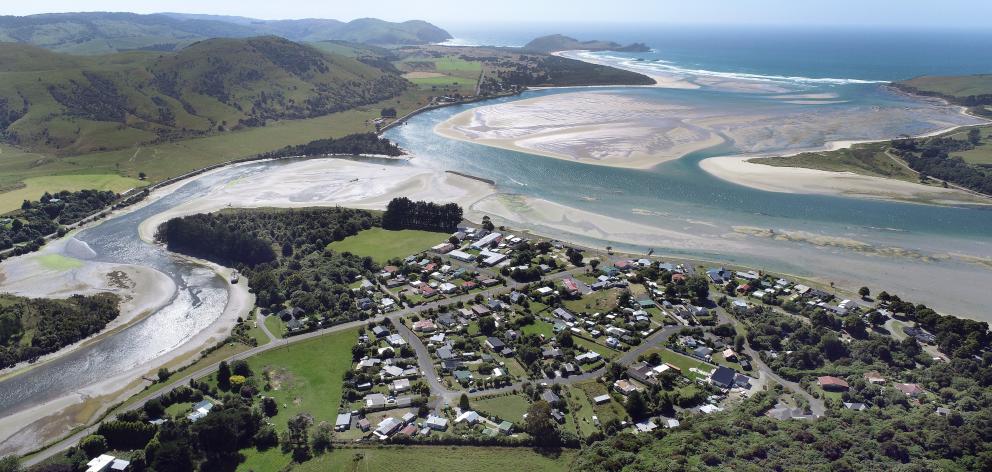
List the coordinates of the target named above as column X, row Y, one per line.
column 739, row 170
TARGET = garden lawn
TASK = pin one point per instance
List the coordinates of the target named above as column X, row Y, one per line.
column 439, row 458
column 539, row 327
column 604, row 351
column 600, row 301
column 606, row 411
column 307, row 376
column 383, row 245
column 509, row 407
column 276, row 326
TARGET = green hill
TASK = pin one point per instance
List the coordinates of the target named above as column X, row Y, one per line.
column 70, row 104
column 102, row 33
column 558, row 42
column 967, row 90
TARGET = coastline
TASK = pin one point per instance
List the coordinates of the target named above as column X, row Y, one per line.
column 741, row 171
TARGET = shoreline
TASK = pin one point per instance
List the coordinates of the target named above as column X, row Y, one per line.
column 738, row 169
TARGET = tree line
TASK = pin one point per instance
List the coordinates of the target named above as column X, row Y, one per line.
column 931, row 157
column 352, row 144
column 403, row 213
column 39, row 218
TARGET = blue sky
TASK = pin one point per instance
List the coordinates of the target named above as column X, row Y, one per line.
column 889, row 13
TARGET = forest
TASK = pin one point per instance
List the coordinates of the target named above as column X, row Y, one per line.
column 931, row 157
column 282, row 253
column 403, row 213
column 32, row 327
column 351, row 145
column 37, row 219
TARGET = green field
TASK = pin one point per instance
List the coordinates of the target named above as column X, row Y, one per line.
column 510, row 407
column 600, row 301
column 539, row 327
column 34, row 187
column 582, row 407
column 438, row 459
column 866, row 159
column 682, row 361
column 383, row 245
column 957, row 86
column 276, row 326
column 307, row 376
column 982, row 154
column 605, row 411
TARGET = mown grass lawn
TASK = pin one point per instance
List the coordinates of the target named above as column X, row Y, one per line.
column 605, row 411
column 601, row 301
column 604, row 351
column 582, row 407
column 383, row 245
column 307, row 376
column 35, row 187
column 539, row 327
column 276, row 326
column 510, row 407
column 682, row 361
column 439, row 458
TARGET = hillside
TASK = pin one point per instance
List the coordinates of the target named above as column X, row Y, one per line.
column 82, row 104
column 557, row 42
column 102, row 33
column 966, row 90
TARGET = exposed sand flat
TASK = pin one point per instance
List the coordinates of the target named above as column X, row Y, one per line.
column 739, row 170
column 328, row 182
column 587, row 127
column 142, row 290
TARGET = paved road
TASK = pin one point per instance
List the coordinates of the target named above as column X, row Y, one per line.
column 816, row 405
column 424, row 360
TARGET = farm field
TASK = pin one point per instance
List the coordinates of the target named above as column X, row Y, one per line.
column 34, row 187
column 383, row 245
column 307, row 376
column 438, row 458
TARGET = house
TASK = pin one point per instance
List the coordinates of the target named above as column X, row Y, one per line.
column 874, row 377
column 200, row 410
column 450, row 365
column 645, row 426
column 542, row 291
column 671, row 423
column 505, row 427
column 395, row 340
column 612, row 342
column 856, row 406
column 550, row 397
column 444, row 353
column 462, row 376
column 343, row 422
column 446, row 320
column 564, row 315
column 625, row 387
column 448, row 288
column 427, row 291
column 437, row 423
column 364, row 425
column 569, row 369
column 641, row 372
column 587, row 358
column 479, row 310
column 495, row 344
column 443, row 248
column 723, row 377
column 461, row 256
column 391, row 371
column 570, row 286
column 105, row 462
column 604, row 398
column 710, row 408
column 469, row 417
column 380, row 332
column 386, row 427
column 487, row 240
column 719, row 276
column 490, row 258
column 702, row 353
column 490, row 282
column 910, row 389
column 943, row 411
column 742, row 381
column 424, row 326
column 408, row 430
column 375, row 400
column 739, row 306
column 551, row 353
column 730, row 355
column 400, row 385
column 831, row 383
